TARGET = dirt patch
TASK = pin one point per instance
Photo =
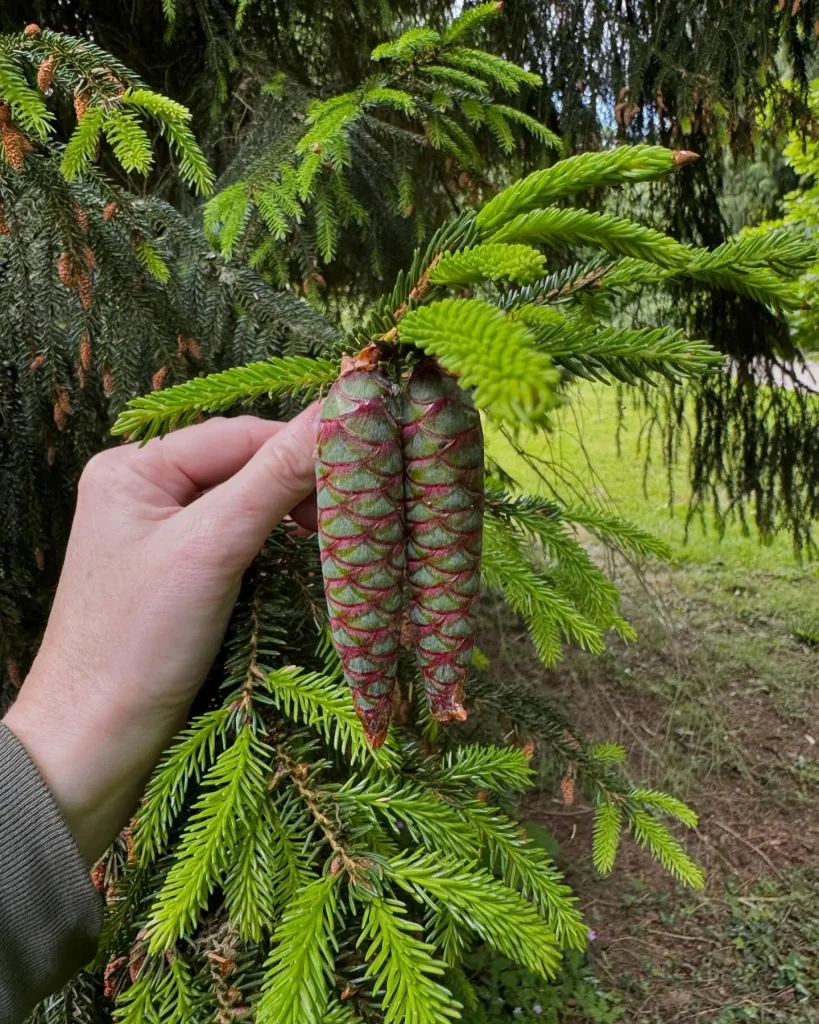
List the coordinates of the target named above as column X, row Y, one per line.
column 716, row 704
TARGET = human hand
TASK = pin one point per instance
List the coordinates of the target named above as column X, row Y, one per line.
column 161, row 537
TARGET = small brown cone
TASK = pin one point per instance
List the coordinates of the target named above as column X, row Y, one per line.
column 59, row 416
column 5, row 113
column 4, row 228
column 84, row 288
column 80, row 216
column 109, row 981
column 86, row 352
column 32, row 30
column 107, row 379
column 109, row 211
column 80, row 104
column 126, row 837
column 37, row 362
column 188, row 346
column 45, row 73
column 82, row 378
column 65, row 270
column 39, row 558
column 98, row 876
column 64, row 399
column 137, row 957
column 567, row 789
column 89, row 257
column 158, row 380
column 51, row 455
column 15, row 146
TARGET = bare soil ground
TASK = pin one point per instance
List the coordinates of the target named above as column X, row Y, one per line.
column 718, row 703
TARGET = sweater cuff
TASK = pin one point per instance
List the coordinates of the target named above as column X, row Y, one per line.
column 50, row 912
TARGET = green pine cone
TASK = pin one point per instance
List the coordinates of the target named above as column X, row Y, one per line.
column 442, row 443
column 361, row 535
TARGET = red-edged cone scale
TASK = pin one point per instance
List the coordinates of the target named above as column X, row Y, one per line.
column 442, row 445
column 361, row 534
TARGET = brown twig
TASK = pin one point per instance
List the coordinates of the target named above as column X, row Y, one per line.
column 751, row 846
column 416, row 295
column 312, row 797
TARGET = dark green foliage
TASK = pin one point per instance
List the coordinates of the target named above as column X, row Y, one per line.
column 505, row 992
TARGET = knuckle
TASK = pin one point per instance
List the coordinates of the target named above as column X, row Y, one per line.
column 102, row 471
column 287, row 466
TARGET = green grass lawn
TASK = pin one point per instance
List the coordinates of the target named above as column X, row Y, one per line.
column 581, row 454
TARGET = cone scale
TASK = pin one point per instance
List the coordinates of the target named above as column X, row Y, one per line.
column 442, row 445
column 359, row 478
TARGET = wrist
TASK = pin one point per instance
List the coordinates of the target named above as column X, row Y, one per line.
column 94, row 759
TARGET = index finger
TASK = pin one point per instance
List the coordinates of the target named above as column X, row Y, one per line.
column 189, row 461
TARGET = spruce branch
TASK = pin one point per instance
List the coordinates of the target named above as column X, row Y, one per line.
column 495, row 912
column 129, row 140
column 316, row 802
column 665, row 804
column 534, row 128
column 185, row 762
column 620, row 166
column 607, row 753
column 173, row 120
column 156, row 414
column 423, row 96
column 472, row 19
column 529, row 869
column 651, row 833
column 608, row 824
column 299, row 970
column 256, row 875
column 500, row 72
column 630, row 356
column 324, row 703
column 616, row 235
column 233, row 789
column 402, row 968
column 617, row 531
column 109, row 99
column 489, row 262
column 28, row 107
column 577, row 575
column 489, row 351
column 763, row 267
column 449, row 934
column 340, row 1013
column 527, row 512
column 485, row 767
column 533, row 595
column 165, row 995
column 429, row 819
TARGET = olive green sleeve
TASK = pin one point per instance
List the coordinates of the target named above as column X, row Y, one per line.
column 50, row 913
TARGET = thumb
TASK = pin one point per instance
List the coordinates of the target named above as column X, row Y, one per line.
column 281, row 474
